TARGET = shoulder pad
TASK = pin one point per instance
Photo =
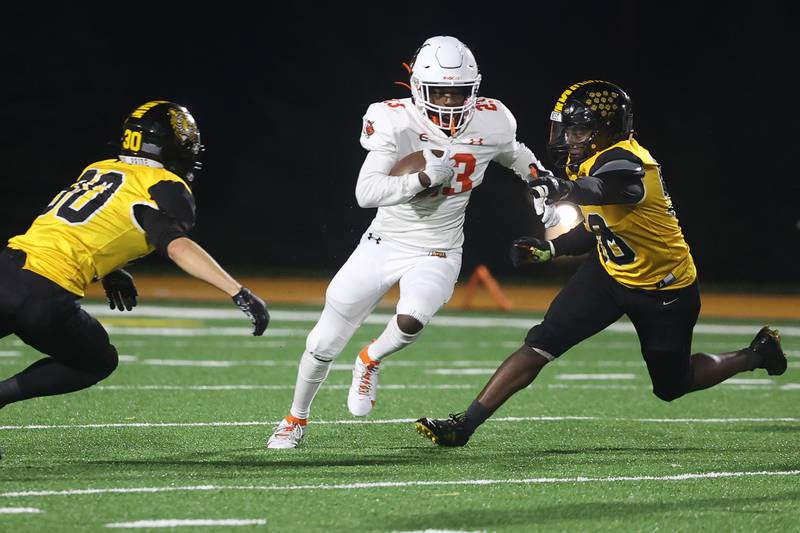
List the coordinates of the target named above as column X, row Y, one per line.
column 175, row 199
column 493, row 119
column 381, row 123
column 617, row 162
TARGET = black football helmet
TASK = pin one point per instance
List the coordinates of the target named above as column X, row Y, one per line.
column 165, row 132
column 589, row 116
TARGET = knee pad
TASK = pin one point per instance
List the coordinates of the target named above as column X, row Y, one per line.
column 107, row 362
column 541, row 340
column 330, row 334
column 668, row 393
column 671, row 389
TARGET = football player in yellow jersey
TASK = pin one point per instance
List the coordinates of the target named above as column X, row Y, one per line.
column 117, row 210
column 640, row 267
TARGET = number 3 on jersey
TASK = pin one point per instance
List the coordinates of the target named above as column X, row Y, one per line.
column 463, row 183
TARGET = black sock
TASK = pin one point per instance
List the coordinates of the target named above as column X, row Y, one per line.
column 475, row 416
column 754, row 359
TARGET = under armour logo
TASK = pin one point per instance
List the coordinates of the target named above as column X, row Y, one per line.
column 476, row 141
column 375, row 238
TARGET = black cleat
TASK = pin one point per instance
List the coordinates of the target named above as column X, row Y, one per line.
column 767, row 344
column 445, row 432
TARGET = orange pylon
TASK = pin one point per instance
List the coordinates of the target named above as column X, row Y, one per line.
column 481, row 275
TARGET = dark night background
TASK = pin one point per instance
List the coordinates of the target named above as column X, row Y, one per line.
column 279, row 97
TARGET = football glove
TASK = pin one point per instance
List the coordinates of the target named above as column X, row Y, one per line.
column 255, row 309
column 120, row 290
column 548, row 212
column 438, row 169
column 526, row 250
column 551, row 188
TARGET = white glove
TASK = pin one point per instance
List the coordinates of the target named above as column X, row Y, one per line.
column 438, row 169
column 548, row 212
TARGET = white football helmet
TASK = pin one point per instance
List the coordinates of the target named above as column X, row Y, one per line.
column 445, row 62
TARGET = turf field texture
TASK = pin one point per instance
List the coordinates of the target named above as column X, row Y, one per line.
column 176, row 437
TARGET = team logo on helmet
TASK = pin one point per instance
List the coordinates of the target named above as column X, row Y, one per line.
column 184, row 127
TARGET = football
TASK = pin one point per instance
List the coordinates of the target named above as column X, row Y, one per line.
column 413, row 162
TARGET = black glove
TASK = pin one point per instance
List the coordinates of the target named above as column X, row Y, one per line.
column 120, row 290
column 551, row 188
column 255, row 309
column 527, row 250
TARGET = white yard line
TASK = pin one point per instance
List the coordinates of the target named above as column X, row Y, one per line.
column 381, row 318
column 10, row 353
column 19, row 510
column 397, row 484
column 387, row 386
column 592, row 377
column 354, row 421
column 197, row 332
column 187, row 522
column 746, row 381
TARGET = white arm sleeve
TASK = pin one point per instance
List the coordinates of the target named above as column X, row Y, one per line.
column 375, row 188
column 519, row 158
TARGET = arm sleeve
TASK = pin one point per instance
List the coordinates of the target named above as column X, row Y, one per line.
column 615, row 178
column 174, row 217
column 576, row 241
column 376, row 188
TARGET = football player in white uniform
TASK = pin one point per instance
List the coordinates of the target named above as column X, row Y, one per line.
column 416, row 236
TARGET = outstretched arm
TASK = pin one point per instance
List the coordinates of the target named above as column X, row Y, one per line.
column 166, row 229
column 195, row 261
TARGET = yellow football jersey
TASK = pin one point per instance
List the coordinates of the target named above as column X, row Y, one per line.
column 89, row 229
column 640, row 245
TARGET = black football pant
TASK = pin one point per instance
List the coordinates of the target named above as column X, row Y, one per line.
column 49, row 318
column 664, row 320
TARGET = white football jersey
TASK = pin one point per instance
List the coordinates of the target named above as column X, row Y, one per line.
column 434, row 218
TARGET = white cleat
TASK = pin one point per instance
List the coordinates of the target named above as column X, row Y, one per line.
column 287, row 435
column 364, row 387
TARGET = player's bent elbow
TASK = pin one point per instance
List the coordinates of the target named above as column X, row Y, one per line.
column 363, row 199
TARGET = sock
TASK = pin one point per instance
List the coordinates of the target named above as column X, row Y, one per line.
column 475, row 416
column 294, row 420
column 312, row 372
column 391, row 340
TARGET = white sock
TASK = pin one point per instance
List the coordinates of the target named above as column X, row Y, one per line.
column 310, row 375
column 391, row 340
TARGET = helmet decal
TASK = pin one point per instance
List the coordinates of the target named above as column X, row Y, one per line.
column 589, row 116
column 183, row 125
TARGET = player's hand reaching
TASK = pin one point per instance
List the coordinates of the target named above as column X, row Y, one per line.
column 438, row 170
column 120, row 290
column 550, row 188
column 526, row 250
column 255, row 309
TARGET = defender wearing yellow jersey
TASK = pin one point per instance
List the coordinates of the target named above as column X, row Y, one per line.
column 639, row 265
column 117, row 210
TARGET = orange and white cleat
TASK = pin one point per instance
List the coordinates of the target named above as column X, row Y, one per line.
column 288, row 433
column 364, row 387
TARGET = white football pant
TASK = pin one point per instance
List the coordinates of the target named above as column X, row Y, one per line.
column 427, row 278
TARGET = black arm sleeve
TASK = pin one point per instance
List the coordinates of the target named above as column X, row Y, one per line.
column 174, row 217
column 615, row 178
column 576, row 241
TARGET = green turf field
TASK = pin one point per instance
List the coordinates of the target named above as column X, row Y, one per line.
column 178, row 434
